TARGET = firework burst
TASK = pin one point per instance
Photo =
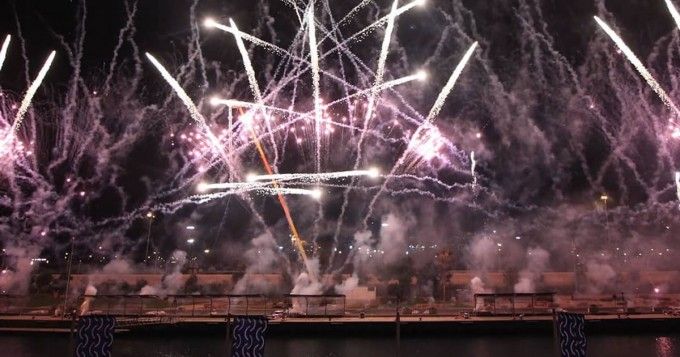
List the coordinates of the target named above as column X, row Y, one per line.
column 319, row 123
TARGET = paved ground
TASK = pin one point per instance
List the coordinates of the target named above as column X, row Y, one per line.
column 370, row 318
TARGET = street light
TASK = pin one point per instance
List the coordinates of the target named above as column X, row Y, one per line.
column 604, row 198
column 150, row 216
column 68, row 278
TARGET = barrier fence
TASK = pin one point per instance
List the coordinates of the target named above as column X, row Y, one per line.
column 213, row 305
column 324, row 305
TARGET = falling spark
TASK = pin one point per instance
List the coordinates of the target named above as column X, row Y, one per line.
column 418, row 76
column 369, row 112
column 656, row 87
column 292, row 191
column 31, row 92
column 252, row 79
column 473, row 166
column 188, row 103
column 380, row 74
column 674, row 12
column 204, row 187
column 210, row 23
column 250, row 71
column 677, row 183
column 315, row 177
column 233, row 103
column 353, row 11
column 3, row 50
column 439, row 103
column 242, row 187
column 314, row 54
column 379, row 22
column 426, row 151
column 193, row 110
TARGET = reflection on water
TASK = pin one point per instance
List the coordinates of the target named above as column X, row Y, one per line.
column 478, row 346
column 667, row 347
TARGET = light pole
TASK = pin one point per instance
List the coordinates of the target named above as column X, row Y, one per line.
column 150, row 216
column 498, row 256
column 68, row 278
column 192, row 255
column 192, row 248
column 604, row 198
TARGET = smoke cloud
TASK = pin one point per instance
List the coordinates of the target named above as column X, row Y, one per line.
column 537, row 263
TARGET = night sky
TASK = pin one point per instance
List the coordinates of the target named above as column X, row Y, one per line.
column 535, row 157
column 163, row 26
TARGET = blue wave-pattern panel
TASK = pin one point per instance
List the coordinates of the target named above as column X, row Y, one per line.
column 571, row 330
column 248, row 336
column 94, row 336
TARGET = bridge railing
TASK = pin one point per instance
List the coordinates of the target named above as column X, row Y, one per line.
column 212, row 305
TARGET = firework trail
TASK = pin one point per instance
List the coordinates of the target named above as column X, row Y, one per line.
column 350, row 14
column 366, row 30
column 314, row 55
column 26, row 102
column 510, row 104
column 293, row 3
column 254, row 86
column 3, row 50
column 315, row 177
column 240, row 188
column 211, row 23
column 189, row 104
column 250, row 71
column 235, row 190
column 381, row 67
column 318, row 111
column 253, row 182
column 473, row 167
column 204, row 187
column 246, row 120
column 369, row 111
column 316, row 193
column 417, row 135
column 297, row 240
column 129, row 28
column 233, row 103
column 441, row 99
column 674, row 12
column 677, row 183
column 656, row 87
column 418, row 76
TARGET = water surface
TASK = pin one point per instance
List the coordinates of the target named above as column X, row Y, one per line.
column 661, row 345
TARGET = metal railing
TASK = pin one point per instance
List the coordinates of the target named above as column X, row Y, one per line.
column 323, row 306
column 212, row 305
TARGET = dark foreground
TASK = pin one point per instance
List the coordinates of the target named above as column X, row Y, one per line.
column 374, row 326
column 535, row 345
column 609, row 335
